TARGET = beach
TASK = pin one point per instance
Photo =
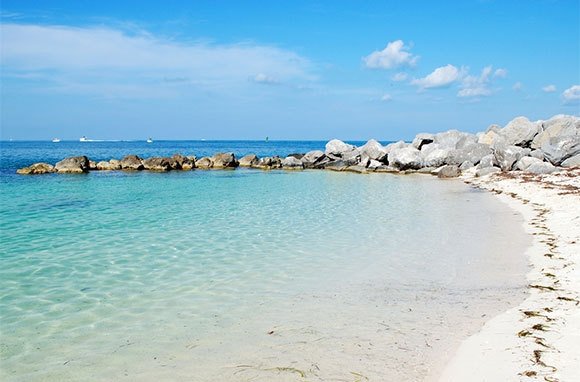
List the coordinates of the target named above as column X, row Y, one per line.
column 539, row 339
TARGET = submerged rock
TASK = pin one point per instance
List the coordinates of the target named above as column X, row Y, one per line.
column 36, row 168
column 73, row 165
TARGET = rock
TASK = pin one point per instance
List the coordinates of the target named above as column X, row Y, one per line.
column 337, row 165
column 182, row 162
column 92, row 165
column 157, row 164
column 373, row 150
column 519, row 132
column 486, row 171
column 538, row 154
column 434, row 155
column 487, row 161
column 357, row 169
column 338, row 148
column 466, row 165
column 448, row 171
column 268, row 163
column 115, row 163
column 405, row 158
column 314, row 159
column 526, row 162
column 204, row 162
column 558, row 149
column 107, row 166
column 224, row 160
column 572, row 161
column 428, row 170
column 292, row 163
column 295, row 155
column 472, row 152
column 422, row 139
column 491, row 138
column 74, row 165
column 450, row 139
column 541, row 168
column 249, row 160
column 374, row 164
column 36, row 168
column 131, row 162
column 557, row 126
column 508, row 155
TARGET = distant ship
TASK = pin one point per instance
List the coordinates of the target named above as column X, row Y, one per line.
column 149, row 140
column 83, row 139
column 55, row 140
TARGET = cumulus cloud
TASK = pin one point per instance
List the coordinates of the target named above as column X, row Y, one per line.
column 549, row 89
column 262, row 78
column 386, row 98
column 395, row 55
column 83, row 56
column 401, row 76
column 477, row 86
column 439, row 78
column 572, row 95
column 500, row 73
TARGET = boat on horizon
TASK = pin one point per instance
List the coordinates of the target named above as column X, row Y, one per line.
column 149, row 140
column 83, row 139
column 55, row 140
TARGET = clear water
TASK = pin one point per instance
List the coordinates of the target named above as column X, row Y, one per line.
column 242, row 275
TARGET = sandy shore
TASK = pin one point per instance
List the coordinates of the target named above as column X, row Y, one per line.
column 540, row 339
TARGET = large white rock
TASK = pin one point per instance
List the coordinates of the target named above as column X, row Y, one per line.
column 450, row 139
column 422, row 139
column 508, row 155
column 572, row 161
column 560, row 148
column 520, row 131
column 405, row 158
column 526, row 162
column 373, row 150
column 434, row 156
column 557, row 126
column 541, row 168
column 338, row 148
column 292, row 163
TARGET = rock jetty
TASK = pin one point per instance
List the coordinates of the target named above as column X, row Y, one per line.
column 539, row 147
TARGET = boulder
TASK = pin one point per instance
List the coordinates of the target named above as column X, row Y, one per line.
column 538, row 154
column 107, row 166
column 337, row 165
column 466, row 165
column 357, row 169
column 224, row 160
column 490, row 138
column 472, row 152
column 131, row 162
column 295, row 155
column 157, row 164
column 541, row 168
column 486, row 171
column 572, row 161
column 292, row 163
column 36, row 168
column 204, row 162
column 526, row 162
column 487, row 161
column 448, row 171
column 74, row 165
column 557, row 126
column 338, row 148
column 520, row 132
column 405, row 158
column 249, row 160
column 92, row 165
column 434, row 155
column 115, row 163
column 314, row 159
column 508, row 155
column 560, row 148
column 375, row 164
column 450, row 139
column 422, row 139
column 268, row 163
column 373, row 150
column 182, row 162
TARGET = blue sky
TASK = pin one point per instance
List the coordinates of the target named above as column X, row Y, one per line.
column 287, row 70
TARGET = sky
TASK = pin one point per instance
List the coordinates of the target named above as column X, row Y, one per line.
column 352, row 70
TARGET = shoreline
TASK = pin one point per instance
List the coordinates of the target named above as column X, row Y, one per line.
column 537, row 340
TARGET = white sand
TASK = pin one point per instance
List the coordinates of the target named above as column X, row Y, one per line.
column 548, row 345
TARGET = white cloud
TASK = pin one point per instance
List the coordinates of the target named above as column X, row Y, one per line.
column 473, row 86
column 386, row 98
column 440, row 77
column 517, row 86
column 395, row 55
column 86, row 58
column 500, row 73
column 549, row 89
column 572, row 95
column 261, row 78
column 398, row 77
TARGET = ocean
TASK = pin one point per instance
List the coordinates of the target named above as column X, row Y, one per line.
column 242, row 275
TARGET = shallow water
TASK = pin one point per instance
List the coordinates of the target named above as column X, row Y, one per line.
column 247, row 275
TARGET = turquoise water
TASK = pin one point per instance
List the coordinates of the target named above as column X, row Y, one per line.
column 181, row 275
